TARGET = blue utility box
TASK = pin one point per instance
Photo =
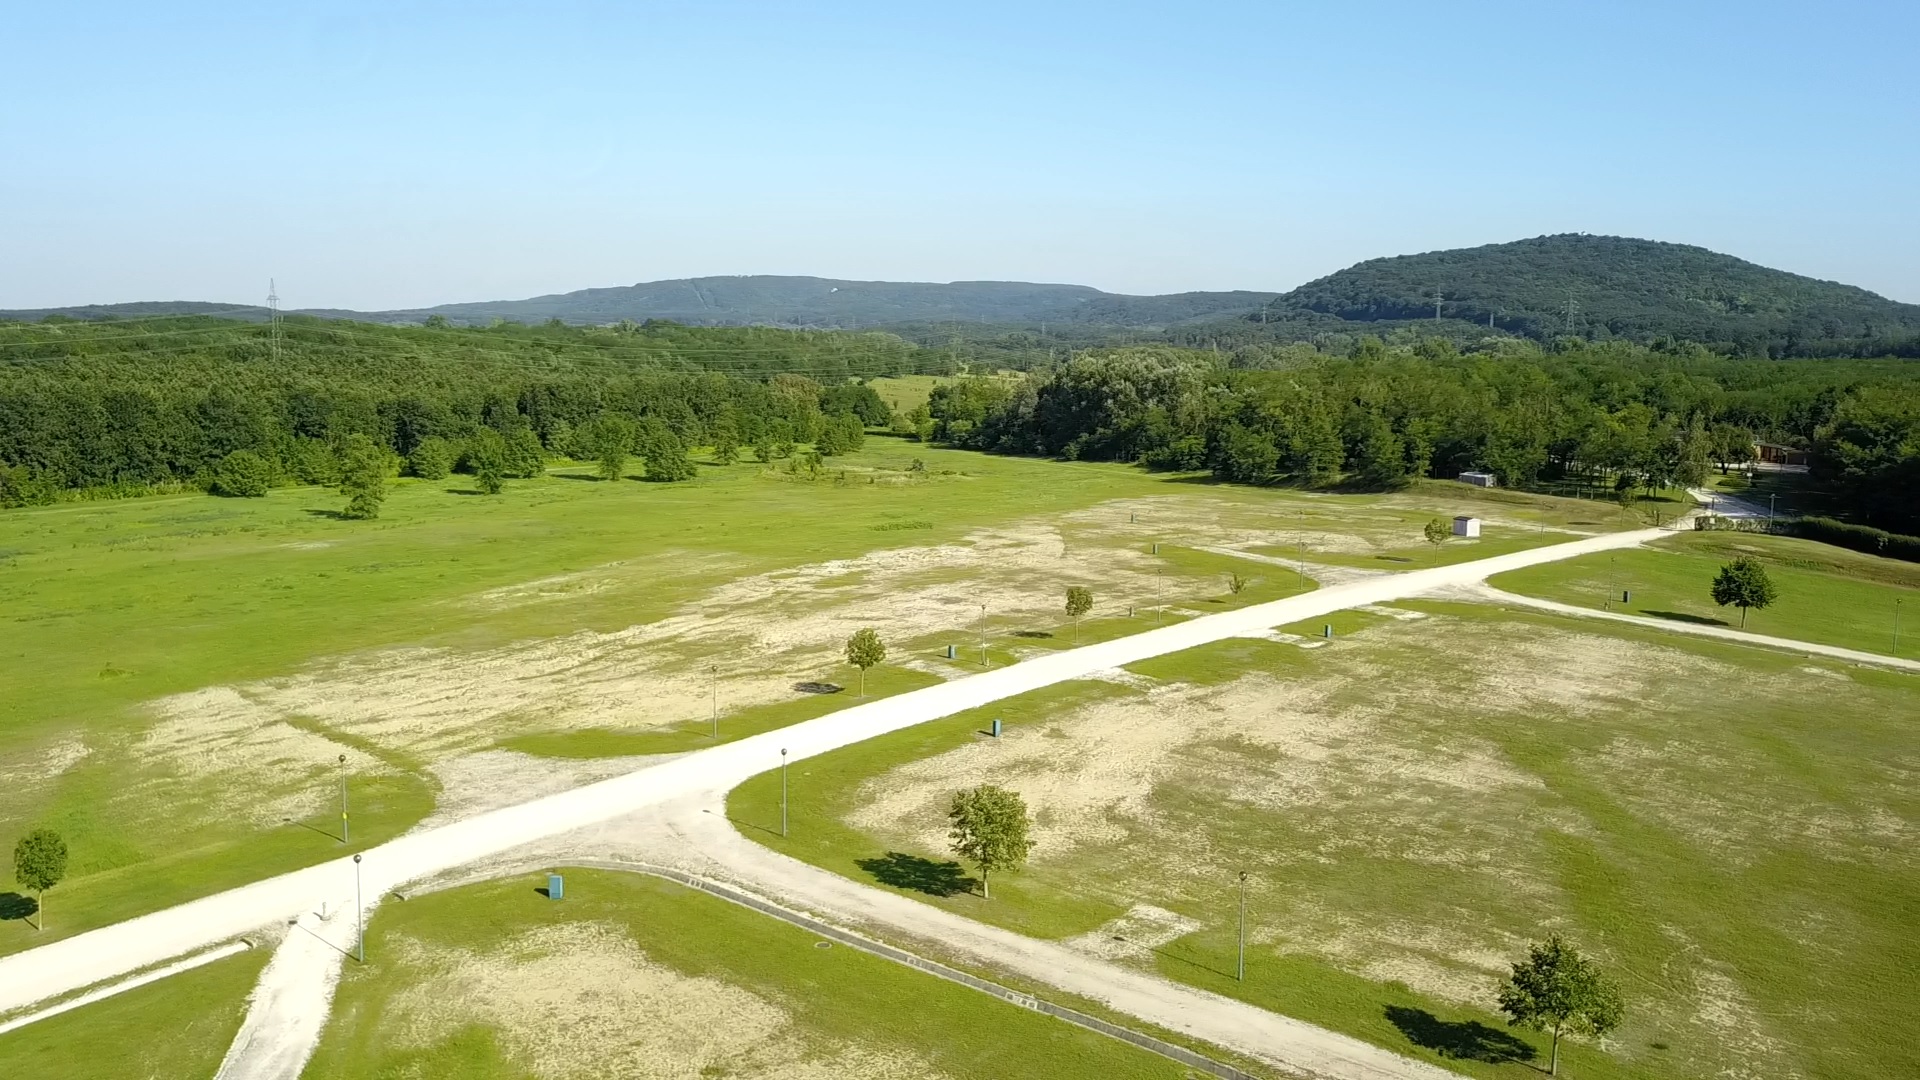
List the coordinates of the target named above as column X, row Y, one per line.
column 555, row 887
column 996, row 727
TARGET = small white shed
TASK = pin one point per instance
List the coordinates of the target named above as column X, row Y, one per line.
column 1467, row 526
column 1479, row 479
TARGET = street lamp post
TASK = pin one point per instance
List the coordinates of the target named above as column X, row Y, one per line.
column 983, row 635
column 1301, row 544
column 1896, row 624
column 359, row 919
column 714, row 674
column 1241, row 969
column 783, row 791
column 1770, row 500
column 343, row 798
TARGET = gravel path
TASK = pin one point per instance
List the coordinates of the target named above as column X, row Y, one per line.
column 111, row 951
column 1481, row 592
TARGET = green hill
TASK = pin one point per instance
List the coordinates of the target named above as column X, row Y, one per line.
column 1605, row 287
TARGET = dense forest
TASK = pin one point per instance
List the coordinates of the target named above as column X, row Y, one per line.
column 132, row 407
column 1593, row 419
column 128, row 407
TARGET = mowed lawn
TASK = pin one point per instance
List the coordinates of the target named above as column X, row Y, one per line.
column 1826, row 594
column 633, row 976
column 1732, row 832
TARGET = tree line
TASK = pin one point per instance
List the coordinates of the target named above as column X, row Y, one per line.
column 127, row 408
column 1575, row 418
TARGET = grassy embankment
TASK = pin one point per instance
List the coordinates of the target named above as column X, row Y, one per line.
column 1827, row 594
column 1419, row 799
column 630, row 974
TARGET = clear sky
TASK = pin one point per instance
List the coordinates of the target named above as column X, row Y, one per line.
column 395, row 154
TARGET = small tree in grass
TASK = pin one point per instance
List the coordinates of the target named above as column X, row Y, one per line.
column 1558, row 990
column 1744, row 584
column 1236, row 584
column 1079, row 602
column 487, row 455
column 1437, row 533
column 39, row 862
column 363, row 478
column 864, row 650
column 989, row 830
column 242, row 474
column 608, row 439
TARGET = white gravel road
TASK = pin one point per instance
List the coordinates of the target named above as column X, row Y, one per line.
column 106, row 953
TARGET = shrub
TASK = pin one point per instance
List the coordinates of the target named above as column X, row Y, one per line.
column 1856, row 537
column 242, row 474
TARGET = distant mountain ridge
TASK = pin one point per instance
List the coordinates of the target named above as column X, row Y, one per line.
column 1589, row 286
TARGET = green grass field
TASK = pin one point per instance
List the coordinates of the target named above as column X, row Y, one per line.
column 1827, row 594
column 905, row 393
column 178, row 675
column 179, row 1026
column 1417, row 800
column 633, row 976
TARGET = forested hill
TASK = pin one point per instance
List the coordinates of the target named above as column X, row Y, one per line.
column 1603, row 287
column 1597, row 288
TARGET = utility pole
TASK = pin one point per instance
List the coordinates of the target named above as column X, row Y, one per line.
column 1896, row 625
column 343, row 798
column 1241, row 968
column 713, row 673
column 273, row 318
column 1770, row 500
column 783, row 791
column 1570, row 309
column 1302, row 545
column 359, row 916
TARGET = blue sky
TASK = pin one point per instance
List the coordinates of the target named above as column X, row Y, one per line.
column 399, row 154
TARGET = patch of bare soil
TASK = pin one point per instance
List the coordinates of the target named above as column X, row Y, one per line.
column 583, row 1001
column 752, row 639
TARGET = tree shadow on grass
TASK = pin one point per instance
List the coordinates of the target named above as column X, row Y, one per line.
column 819, row 688
column 1467, row 1040
column 15, row 906
column 1681, row 616
column 903, row 871
column 1032, row 634
column 334, row 514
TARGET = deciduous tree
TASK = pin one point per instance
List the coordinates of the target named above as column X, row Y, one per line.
column 864, row 650
column 989, row 827
column 1079, row 602
column 1744, row 584
column 1437, row 533
column 1558, row 990
column 39, row 863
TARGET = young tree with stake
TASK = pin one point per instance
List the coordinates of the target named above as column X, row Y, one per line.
column 864, row 650
column 1079, row 602
column 989, row 830
column 1437, row 534
column 1558, row 990
column 39, row 862
column 1744, row 584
